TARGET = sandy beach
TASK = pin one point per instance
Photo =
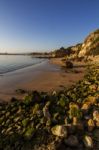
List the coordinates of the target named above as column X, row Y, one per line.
column 46, row 76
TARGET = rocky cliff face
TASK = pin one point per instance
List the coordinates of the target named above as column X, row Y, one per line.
column 87, row 49
column 90, row 47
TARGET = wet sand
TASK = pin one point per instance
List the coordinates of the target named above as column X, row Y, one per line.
column 46, row 76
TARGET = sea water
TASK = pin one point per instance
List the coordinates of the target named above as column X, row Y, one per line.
column 10, row 63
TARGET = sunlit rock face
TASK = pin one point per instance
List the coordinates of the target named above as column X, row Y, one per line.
column 90, row 45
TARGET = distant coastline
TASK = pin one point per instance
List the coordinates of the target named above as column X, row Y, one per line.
column 34, row 54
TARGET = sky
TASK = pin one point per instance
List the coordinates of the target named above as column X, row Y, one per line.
column 45, row 25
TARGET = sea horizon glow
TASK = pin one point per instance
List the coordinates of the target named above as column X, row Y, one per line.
column 45, row 25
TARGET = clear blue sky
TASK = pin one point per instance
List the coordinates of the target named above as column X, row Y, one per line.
column 40, row 25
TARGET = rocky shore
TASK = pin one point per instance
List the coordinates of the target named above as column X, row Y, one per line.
column 64, row 120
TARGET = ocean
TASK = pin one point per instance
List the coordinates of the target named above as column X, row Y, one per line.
column 9, row 63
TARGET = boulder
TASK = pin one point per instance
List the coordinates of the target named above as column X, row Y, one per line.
column 46, row 111
column 85, row 107
column 91, row 125
column 72, row 141
column 96, row 135
column 96, row 116
column 88, row 142
column 69, row 64
column 25, row 122
column 59, row 130
column 29, row 133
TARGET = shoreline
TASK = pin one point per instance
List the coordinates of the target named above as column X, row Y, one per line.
column 46, row 76
column 22, row 63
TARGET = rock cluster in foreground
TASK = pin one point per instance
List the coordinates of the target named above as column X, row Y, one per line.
column 60, row 121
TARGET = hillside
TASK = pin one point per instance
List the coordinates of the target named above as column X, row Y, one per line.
column 90, row 47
